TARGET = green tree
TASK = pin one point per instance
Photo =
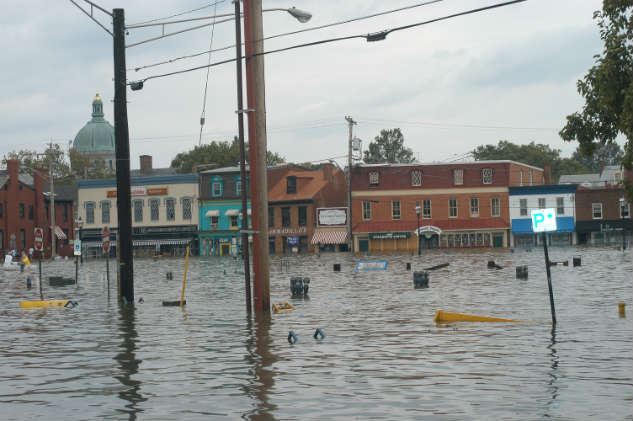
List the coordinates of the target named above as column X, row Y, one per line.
column 388, row 147
column 30, row 160
column 607, row 154
column 532, row 154
column 219, row 153
column 608, row 87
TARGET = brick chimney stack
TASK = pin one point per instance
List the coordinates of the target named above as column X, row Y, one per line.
column 547, row 174
column 146, row 164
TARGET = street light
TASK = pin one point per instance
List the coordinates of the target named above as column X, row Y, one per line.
column 417, row 212
column 622, row 205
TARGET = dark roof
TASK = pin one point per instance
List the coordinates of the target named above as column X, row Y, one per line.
column 23, row 177
column 153, row 171
column 66, row 192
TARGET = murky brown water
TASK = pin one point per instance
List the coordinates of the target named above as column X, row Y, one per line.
column 382, row 358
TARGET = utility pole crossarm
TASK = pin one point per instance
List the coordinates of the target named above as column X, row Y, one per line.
column 90, row 15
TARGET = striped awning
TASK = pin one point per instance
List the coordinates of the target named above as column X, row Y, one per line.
column 59, row 233
column 329, row 237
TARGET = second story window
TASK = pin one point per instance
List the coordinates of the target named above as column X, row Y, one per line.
column 234, row 221
column 520, row 177
column 31, row 213
column 366, row 209
column 90, row 212
column 215, row 220
column 303, row 216
column 291, row 184
column 105, row 212
column 1, row 211
column 416, row 178
column 271, row 217
column 560, row 206
column 21, row 210
column 216, row 187
column 138, row 210
column 474, row 206
column 625, row 210
column 285, row 217
column 186, row 208
column 395, row 210
column 486, row 175
column 452, row 208
column 458, row 176
column 374, row 178
column 66, row 212
column 154, row 209
column 541, row 203
column 596, row 210
column 170, row 209
column 495, row 207
column 531, row 177
column 523, row 207
column 426, row 209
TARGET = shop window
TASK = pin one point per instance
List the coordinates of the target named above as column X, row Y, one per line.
column 170, row 209
column 374, row 178
column 285, row 217
column 495, row 207
column 486, row 175
column 90, row 212
column 105, row 212
column 395, row 209
column 416, row 178
column 186, row 208
column 366, row 210
column 138, row 210
column 271, row 217
column 303, row 216
column 560, row 206
column 523, row 207
column 452, row 208
column 541, row 203
column 596, row 210
column 458, row 176
column 426, row 209
column 474, row 206
column 154, row 209
column 271, row 245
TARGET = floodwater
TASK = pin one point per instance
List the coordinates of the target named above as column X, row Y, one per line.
column 383, row 356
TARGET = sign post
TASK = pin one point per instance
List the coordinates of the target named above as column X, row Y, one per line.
column 77, row 253
column 544, row 220
column 39, row 246
column 105, row 241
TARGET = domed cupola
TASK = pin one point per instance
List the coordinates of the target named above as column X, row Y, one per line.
column 97, row 136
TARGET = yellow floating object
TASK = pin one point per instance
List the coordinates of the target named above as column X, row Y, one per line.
column 283, row 307
column 622, row 309
column 448, row 317
column 45, row 303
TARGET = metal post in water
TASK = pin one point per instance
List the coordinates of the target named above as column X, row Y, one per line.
column 77, row 271
column 40, row 265
column 549, row 279
column 108, row 270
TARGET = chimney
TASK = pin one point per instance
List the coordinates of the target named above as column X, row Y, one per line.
column 547, row 174
column 328, row 171
column 146, row 164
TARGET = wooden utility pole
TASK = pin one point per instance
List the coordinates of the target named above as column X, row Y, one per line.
column 52, row 158
column 350, row 123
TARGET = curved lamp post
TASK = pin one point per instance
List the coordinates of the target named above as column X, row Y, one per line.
column 417, row 212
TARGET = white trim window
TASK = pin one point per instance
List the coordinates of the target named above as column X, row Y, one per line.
column 452, row 208
column 474, row 207
column 170, row 209
column 90, row 212
column 374, row 178
column 520, row 177
column 531, row 177
column 495, row 207
column 560, row 206
column 458, row 176
column 426, row 209
column 105, row 211
column 154, row 209
column 596, row 210
column 137, row 204
column 395, row 210
column 523, row 207
column 625, row 211
column 186, row 203
column 416, row 178
column 486, row 175
column 366, row 210
column 542, row 203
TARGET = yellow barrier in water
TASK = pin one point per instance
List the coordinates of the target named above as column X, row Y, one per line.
column 283, row 307
column 448, row 317
column 45, row 303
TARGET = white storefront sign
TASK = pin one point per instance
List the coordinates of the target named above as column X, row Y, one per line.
column 331, row 216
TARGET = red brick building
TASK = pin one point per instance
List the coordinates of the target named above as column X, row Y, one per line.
column 459, row 205
column 294, row 194
column 603, row 215
column 24, row 206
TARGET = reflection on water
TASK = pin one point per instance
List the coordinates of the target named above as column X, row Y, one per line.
column 383, row 357
column 128, row 362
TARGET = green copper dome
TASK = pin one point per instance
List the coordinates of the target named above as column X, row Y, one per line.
column 97, row 135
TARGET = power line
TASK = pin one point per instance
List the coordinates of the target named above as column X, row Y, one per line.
column 206, row 83
column 91, row 14
column 375, row 36
column 453, row 125
column 314, row 28
column 179, row 14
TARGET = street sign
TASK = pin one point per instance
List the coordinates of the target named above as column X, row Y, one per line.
column 105, row 239
column 39, row 239
column 77, row 250
column 544, row 220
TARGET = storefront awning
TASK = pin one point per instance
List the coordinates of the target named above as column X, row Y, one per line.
column 232, row 212
column 59, row 233
column 524, row 225
column 329, row 237
column 139, row 243
column 212, row 213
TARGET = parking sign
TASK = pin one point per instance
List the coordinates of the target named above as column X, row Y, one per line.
column 77, row 250
column 544, row 220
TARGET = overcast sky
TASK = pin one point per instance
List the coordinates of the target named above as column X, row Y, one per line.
column 508, row 73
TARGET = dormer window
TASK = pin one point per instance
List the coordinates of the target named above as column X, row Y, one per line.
column 458, row 176
column 486, row 175
column 374, row 178
column 291, row 184
column 416, row 178
column 216, row 187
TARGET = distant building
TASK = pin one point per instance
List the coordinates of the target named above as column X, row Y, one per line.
column 609, row 175
column 523, row 200
column 603, row 215
column 460, row 205
column 95, row 140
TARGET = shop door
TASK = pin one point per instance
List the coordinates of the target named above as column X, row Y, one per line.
column 225, row 249
column 497, row 241
column 429, row 243
column 363, row 245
